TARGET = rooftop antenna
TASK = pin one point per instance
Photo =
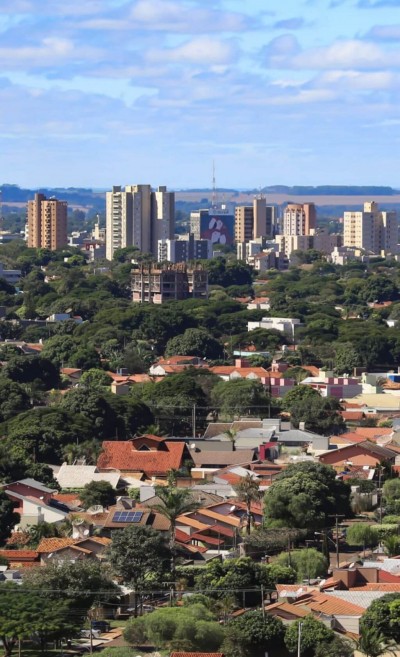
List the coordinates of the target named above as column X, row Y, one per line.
column 214, row 188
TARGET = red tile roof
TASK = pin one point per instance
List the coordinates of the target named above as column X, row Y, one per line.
column 373, row 432
column 227, row 370
column 121, row 455
column 352, row 416
column 201, row 536
column 15, row 555
column 388, row 588
column 329, row 605
column 47, row 545
column 197, row 654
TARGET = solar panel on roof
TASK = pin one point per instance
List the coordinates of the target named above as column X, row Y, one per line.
column 127, row 516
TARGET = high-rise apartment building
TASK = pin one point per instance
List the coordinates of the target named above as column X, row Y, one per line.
column 244, row 223
column 371, row 230
column 47, row 223
column 138, row 216
column 299, row 219
column 158, row 284
column 254, row 221
column 184, row 249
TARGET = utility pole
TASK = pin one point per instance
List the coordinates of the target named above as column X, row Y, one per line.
column 337, row 516
column 263, row 602
column 194, row 420
column 299, row 639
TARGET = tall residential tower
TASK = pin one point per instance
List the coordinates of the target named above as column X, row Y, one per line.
column 137, row 216
column 47, row 223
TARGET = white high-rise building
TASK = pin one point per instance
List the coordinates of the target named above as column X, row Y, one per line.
column 371, row 229
column 137, row 216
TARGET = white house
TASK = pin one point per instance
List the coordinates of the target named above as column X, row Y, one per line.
column 283, row 324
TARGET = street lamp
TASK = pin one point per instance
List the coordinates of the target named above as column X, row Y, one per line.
column 336, row 544
column 300, row 625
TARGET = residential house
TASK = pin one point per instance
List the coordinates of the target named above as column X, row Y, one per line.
column 341, row 615
column 283, row 324
column 71, row 549
column 206, row 461
column 35, row 503
column 20, row 558
column 77, row 476
column 175, row 364
column 365, row 454
column 149, row 455
column 334, row 386
column 73, row 374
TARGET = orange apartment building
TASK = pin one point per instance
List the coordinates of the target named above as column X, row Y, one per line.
column 47, row 223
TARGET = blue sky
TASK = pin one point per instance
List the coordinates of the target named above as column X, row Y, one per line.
column 103, row 92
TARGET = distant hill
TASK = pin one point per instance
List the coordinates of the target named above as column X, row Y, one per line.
column 330, row 190
column 74, row 195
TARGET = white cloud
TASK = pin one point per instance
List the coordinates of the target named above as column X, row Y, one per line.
column 173, row 17
column 201, row 50
column 284, row 52
column 49, row 51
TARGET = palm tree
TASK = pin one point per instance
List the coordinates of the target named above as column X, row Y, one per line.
column 174, row 503
column 372, row 643
column 231, row 434
column 248, row 491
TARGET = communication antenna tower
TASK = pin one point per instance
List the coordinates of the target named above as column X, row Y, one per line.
column 214, row 188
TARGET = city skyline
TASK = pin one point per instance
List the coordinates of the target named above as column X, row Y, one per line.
column 105, row 91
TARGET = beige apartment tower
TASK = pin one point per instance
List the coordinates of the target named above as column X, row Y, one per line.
column 299, row 219
column 137, row 216
column 254, row 221
column 47, row 223
column 371, row 229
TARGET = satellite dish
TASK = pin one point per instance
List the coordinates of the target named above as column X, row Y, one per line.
column 193, row 446
column 96, row 508
column 77, row 522
column 233, row 508
column 86, row 532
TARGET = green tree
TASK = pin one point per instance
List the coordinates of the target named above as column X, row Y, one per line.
column 346, row 358
column 391, row 489
column 241, row 397
column 252, row 634
column 320, row 415
column 362, row 533
column 8, row 517
column 306, row 495
column 26, row 369
column 173, row 503
column 83, row 583
column 248, row 491
column 59, row 349
column 13, row 399
column 313, row 634
column 383, row 615
column 194, row 342
column 297, row 395
column 338, row 647
column 186, row 628
column 97, row 492
column 96, row 378
column 372, row 643
column 40, row 435
column 308, row 563
column 93, row 405
column 25, row 614
column 140, row 556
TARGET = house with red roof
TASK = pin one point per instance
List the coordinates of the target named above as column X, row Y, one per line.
column 365, row 454
column 151, row 455
column 175, row 364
